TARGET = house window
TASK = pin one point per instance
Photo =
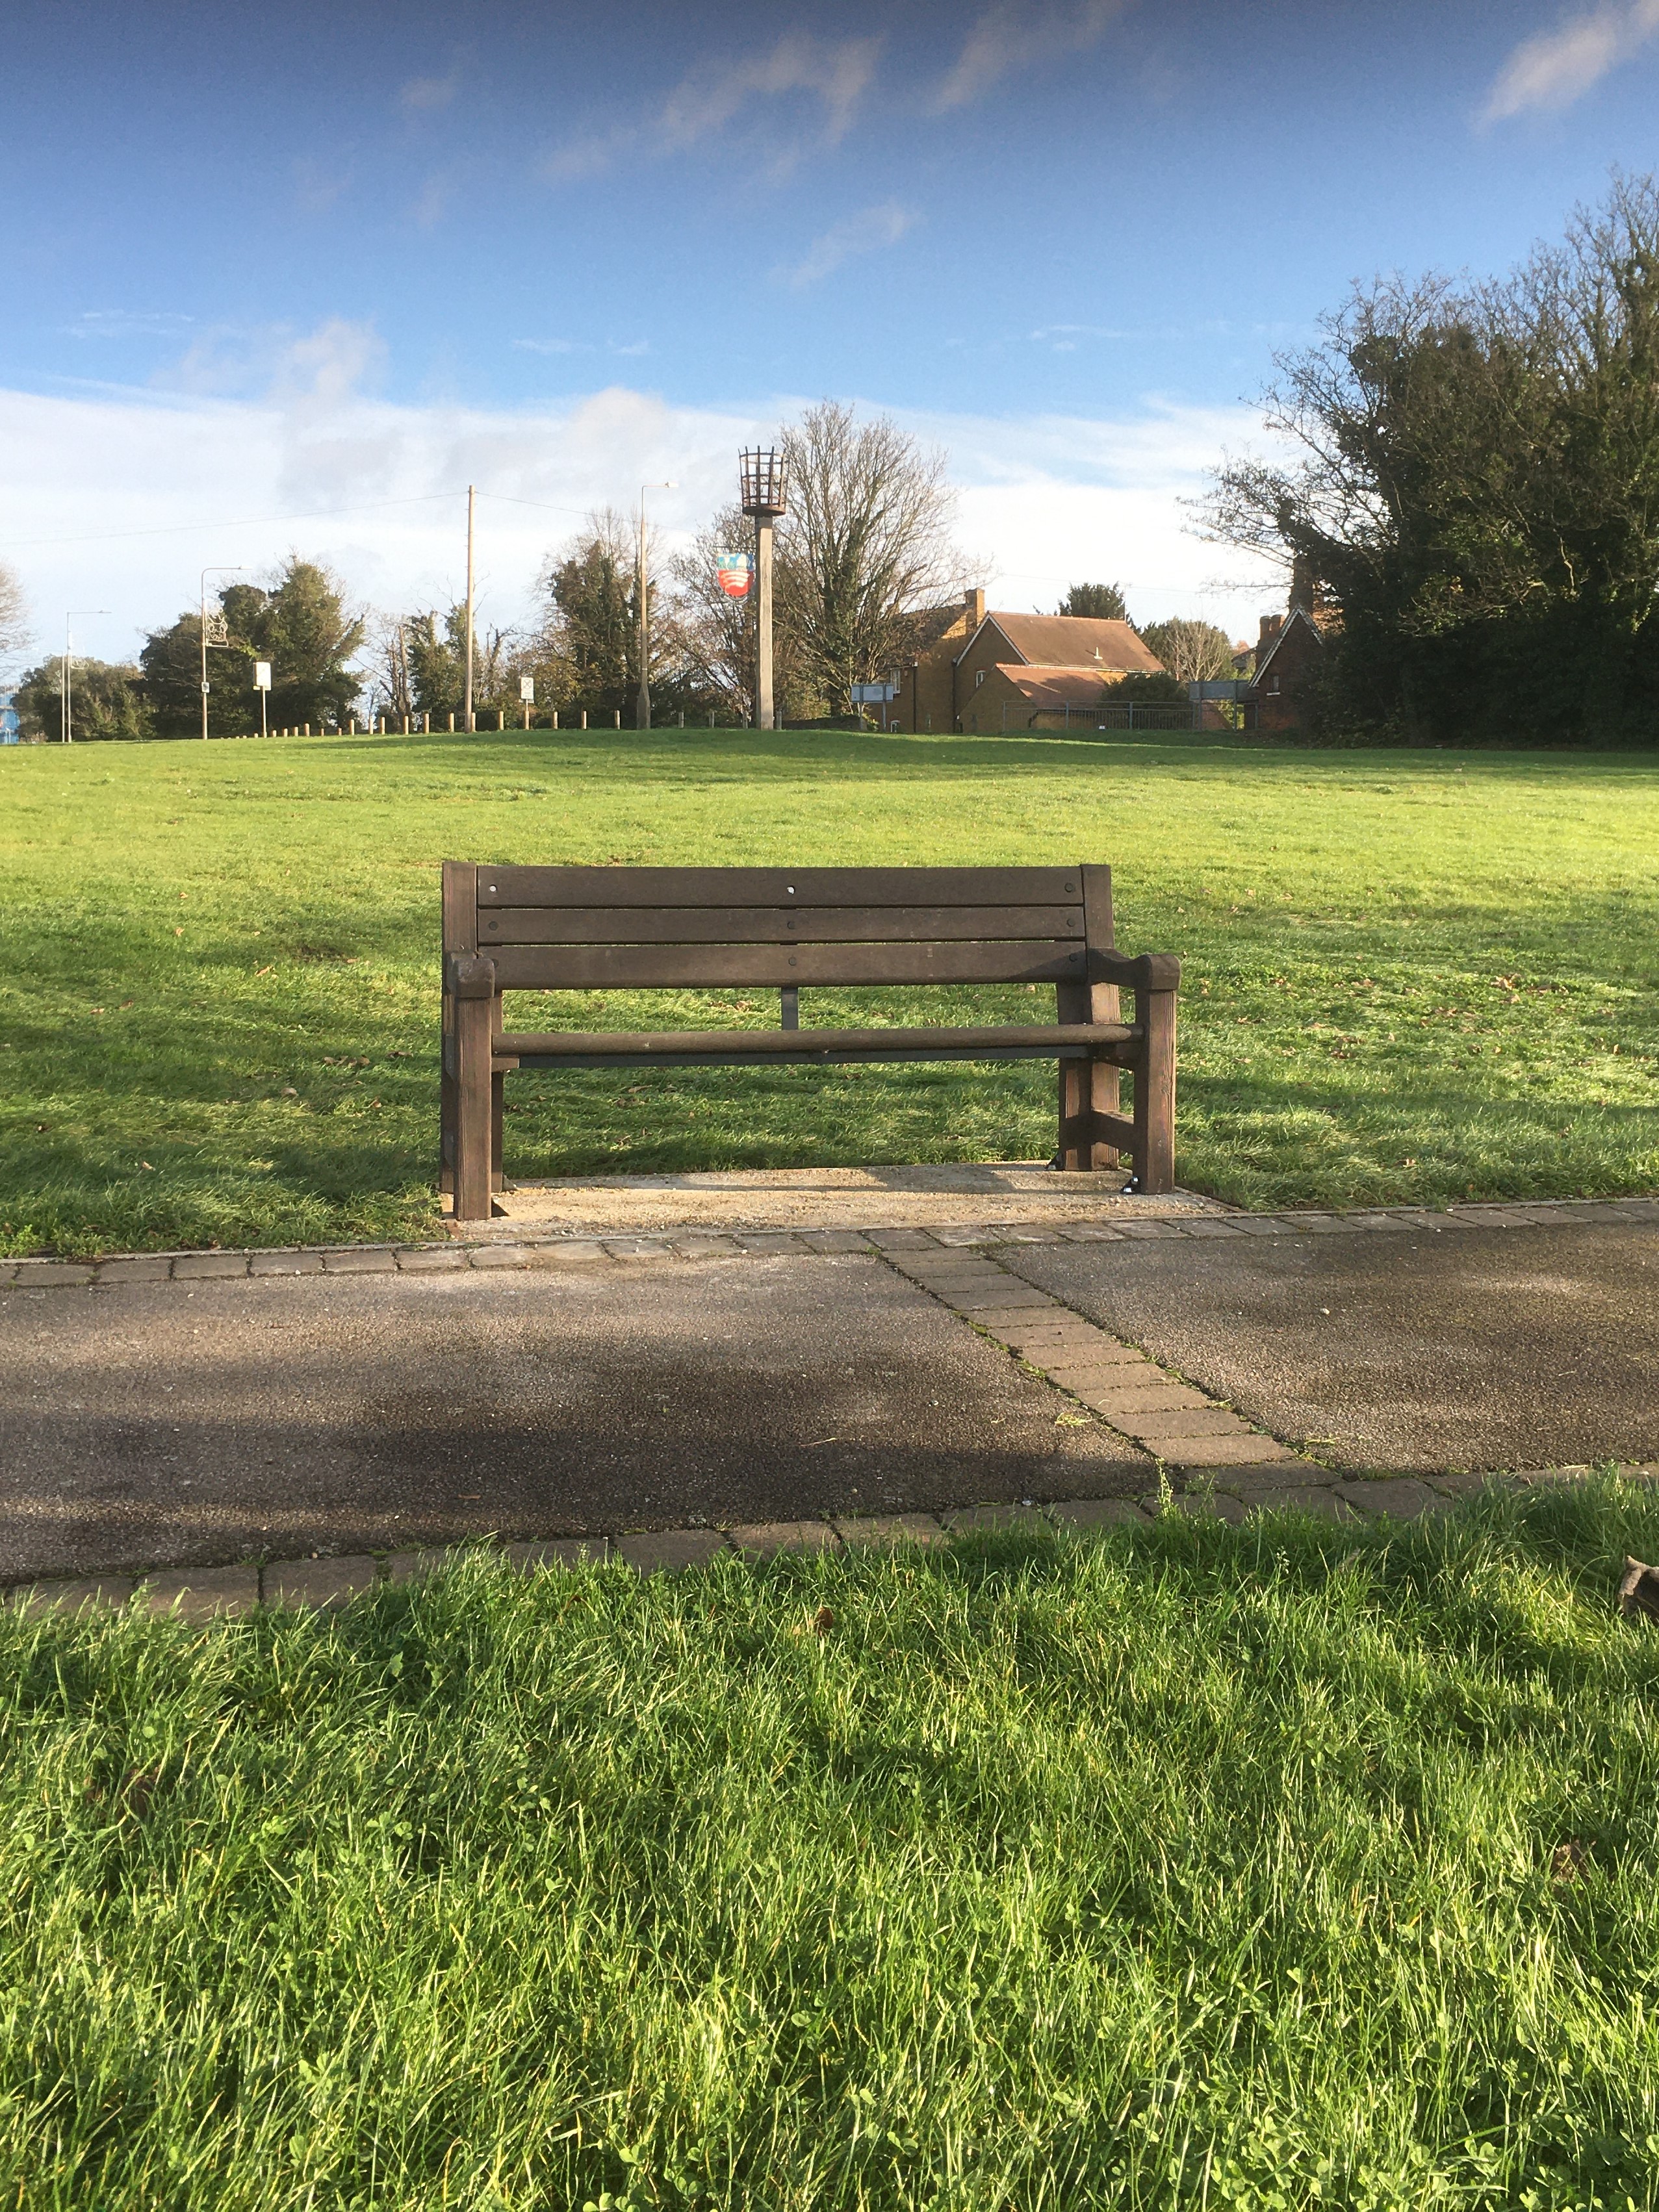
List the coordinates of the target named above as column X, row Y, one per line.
column 1272, row 686
column 978, row 678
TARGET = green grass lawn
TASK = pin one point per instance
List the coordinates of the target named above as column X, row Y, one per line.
column 1270, row 1868
column 1409, row 975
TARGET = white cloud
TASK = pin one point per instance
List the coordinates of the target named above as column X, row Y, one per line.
column 1560, row 66
column 865, row 233
column 320, row 368
column 424, row 95
column 1011, row 37
column 1056, row 499
column 835, row 73
column 552, row 345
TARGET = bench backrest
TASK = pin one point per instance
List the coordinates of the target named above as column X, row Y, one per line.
column 625, row 928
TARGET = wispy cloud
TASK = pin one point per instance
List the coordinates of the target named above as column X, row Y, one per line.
column 835, row 73
column 551, row 345
column 318, row 184
column 1560, row 66
column 323, row 367
column 127, row 323
column 865, row 233
column 426, row 95
column 1010, row 37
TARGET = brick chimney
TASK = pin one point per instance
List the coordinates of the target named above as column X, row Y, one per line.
column 1304, row 592
column 1271, row 627
column 975, row 606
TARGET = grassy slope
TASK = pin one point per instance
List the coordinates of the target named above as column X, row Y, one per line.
column 1409, row 975
column 1200, row 1866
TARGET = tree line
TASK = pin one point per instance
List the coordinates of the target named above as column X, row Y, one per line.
column 865, row 550
column 865, row 559
column 1472, row 482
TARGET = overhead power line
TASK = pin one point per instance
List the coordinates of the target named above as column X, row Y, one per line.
column 303, row 515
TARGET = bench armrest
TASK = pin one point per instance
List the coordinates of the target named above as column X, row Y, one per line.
column 470, row 975
column 1143, row 971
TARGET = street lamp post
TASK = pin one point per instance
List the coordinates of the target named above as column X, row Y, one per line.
column 466, row 702
column 219, row 568
column 643, row 713
column 74, row 615
column 762, row 479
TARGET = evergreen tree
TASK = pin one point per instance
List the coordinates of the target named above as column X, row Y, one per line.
column 299, row 625
column 1100, row 602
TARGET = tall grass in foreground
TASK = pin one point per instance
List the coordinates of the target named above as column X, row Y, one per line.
column 1281, row 1867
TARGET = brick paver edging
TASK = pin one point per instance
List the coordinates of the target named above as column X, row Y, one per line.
column 196, row 1594
column 578, row 1251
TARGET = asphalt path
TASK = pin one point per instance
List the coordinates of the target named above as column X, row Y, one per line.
column 1416, row 1351
column 154, row 1424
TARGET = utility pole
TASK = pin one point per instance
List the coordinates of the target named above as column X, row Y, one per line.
column 221, row 569
column 472, row 499
column 68, row 685
column 762, row 479
column 643, row 710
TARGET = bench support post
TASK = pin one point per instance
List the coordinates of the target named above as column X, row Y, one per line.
column 477, row 1089
column 1155, row 1082
column 1088, row 1087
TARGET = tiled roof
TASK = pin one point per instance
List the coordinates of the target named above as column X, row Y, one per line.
column 1074, row 640
column 1059, row 687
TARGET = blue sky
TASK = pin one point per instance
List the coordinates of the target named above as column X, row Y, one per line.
column 279, row 262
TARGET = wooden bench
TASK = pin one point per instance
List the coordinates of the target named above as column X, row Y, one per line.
column 625, row 929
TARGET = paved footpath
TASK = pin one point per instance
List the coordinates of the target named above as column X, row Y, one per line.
column 217, row 1420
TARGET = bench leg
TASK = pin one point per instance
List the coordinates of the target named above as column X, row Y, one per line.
column 498, row 1108
column 1155, row 1093
column 448, row 1094
column 474, row 1108
column 1087, row 1087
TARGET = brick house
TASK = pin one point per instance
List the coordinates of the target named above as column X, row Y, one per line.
column 1288, row 654
column 988, row 671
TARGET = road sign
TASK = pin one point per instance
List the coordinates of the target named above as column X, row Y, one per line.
column 874, row 695
column 735, row 572
column 526, row 689
column 262, row 675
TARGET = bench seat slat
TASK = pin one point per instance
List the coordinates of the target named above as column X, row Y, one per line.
column 714, row 967
column 800, row 887
column 560, row 1044
column 771, row 924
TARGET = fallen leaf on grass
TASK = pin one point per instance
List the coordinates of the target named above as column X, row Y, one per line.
column 823, row 1620
column 1639, row 1591
column 262, row 971
column 1569, row 1862
column 136, row 1789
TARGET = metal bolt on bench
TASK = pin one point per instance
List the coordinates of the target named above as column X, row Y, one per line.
column 570, row 929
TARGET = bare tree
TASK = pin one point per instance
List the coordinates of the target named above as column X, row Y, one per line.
column 388, row 684
column 865, row 548
column 1194, row 651
column 14, row 615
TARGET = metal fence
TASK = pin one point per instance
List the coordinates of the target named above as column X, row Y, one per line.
column 1186, row 715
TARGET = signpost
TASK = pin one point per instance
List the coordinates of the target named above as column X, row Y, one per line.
column 736, row 573
column 526, row 692
column 262, row 685
column 873, row 695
